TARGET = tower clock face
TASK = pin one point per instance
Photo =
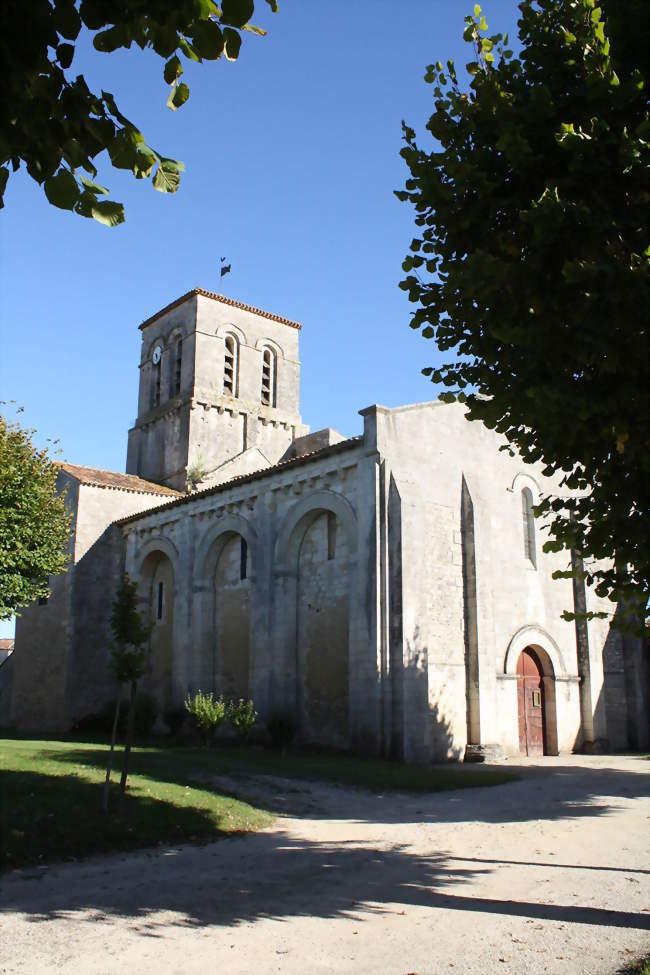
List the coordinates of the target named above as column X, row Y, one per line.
column 157, row 355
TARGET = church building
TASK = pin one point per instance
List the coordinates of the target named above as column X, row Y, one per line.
column 389, row 589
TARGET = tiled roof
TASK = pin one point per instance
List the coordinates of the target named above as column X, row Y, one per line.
column 6, row 644
column 224, row 301
column 109, row 479
column 247, row 478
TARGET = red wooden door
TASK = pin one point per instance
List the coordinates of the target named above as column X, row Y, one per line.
column 530, row 704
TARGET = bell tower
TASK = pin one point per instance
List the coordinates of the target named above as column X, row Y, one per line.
column 219, row 392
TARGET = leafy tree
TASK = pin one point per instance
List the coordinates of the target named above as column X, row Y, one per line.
column 531, row 263
column 129, row 663
column 34, row 522
column 57, row 126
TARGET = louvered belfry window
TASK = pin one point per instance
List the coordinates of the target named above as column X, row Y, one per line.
column 157, row 376
column 231, row 366
column 178, row 367
column 268, row 378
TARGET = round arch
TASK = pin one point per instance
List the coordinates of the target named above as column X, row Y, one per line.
column 270, row 344
column 302, row 514
column 158, row 544
column 213, row 540
column 148, row 352
column 549, row 653
column 521, row 481
column 227, row 328
column 177, row 332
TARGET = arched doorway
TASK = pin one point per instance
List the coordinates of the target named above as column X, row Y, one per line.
column 536, row 704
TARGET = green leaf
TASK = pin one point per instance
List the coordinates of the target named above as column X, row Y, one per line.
column 62, row 190
column 111, row 39
column 207, row 39
column 91, row 185
column 64, row 54
column 172, row 165
column 166, row 180
column 173, row 70
column 178, row 96
column 236, row 13
column 66, row 19
column 4, row 176
column 187, row 49
column 273, row 4
column 255, row 30
column 232, row 43
column 108, row 212
column 477, row 10
column 144, row 162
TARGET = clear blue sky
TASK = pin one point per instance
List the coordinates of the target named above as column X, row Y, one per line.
column 292, row 156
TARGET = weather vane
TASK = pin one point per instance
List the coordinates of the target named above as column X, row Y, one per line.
column 223, row 270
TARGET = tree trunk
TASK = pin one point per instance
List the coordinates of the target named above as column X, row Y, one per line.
column 129, row 738
column 111, row 752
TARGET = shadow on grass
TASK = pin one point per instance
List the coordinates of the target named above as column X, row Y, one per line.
column 550, row 792
column 57, row 817
column 183, row 763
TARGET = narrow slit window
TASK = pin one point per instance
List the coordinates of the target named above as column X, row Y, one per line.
column 157, row 375
column 231, row 366
column 161, row 597
column 178, row 367
column 268, row 378
column 528, row 525
column 331, row 536
column 243, row 559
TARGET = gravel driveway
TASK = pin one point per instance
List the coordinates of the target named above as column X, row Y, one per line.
column 550, row 874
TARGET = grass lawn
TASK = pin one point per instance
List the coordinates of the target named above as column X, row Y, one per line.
column 52, row 793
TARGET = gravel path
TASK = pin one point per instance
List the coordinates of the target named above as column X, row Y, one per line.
column 547, row 875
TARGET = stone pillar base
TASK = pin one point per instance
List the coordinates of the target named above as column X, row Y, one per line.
column 483, row 753
column 598, row 747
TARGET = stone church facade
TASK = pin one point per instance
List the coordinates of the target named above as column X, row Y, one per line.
column 389, row 589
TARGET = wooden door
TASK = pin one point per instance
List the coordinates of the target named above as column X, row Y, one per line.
column 530, row 703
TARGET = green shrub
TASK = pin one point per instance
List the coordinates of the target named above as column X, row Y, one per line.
column 174, row 718
column 242, row 716
column 282, row 726
column 206, row 712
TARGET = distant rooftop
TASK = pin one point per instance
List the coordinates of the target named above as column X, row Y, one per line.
column 96, row 477
column 224, row 301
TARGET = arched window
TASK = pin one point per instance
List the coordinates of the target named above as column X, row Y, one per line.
column 529, row 525
column 268, row 378
column 231, row 367
column 178, row 367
